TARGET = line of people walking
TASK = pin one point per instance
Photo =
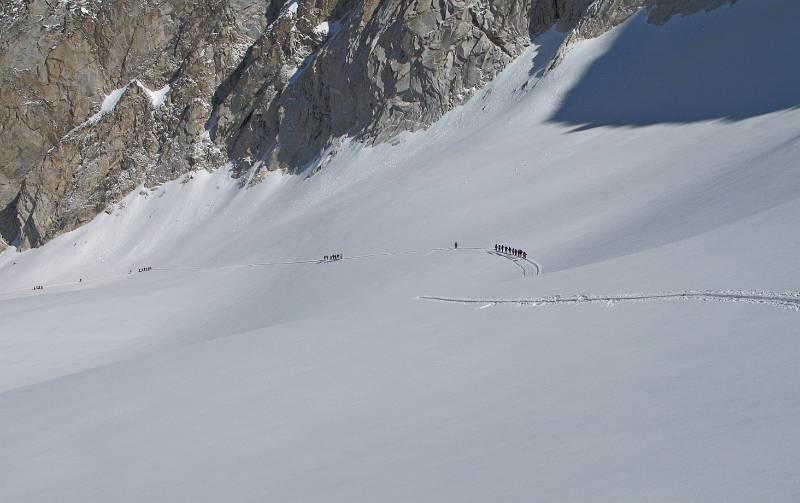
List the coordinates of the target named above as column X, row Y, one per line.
column 38, row 287
column 514, row 252
column 145, row 269
column 331, row 258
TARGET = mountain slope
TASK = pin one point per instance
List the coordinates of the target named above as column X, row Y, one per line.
column 242, row 369
column 254, row 94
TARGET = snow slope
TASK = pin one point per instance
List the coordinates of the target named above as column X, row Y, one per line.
column 241, row 369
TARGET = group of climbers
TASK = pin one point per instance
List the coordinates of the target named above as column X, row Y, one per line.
column 506, row 250
column 514, row 252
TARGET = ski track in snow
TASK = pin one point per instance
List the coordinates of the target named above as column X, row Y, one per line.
column 520, row 262
column 269, row 264
column 787, row 300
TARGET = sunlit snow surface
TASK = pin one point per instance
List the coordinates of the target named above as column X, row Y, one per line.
column 240, row 369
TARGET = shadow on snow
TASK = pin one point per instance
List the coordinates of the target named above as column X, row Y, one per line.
column 734, row 63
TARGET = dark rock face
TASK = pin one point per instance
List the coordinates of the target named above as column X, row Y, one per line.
column 661, row 10
column 57, row 64
column 265, row 85
column 382, row 67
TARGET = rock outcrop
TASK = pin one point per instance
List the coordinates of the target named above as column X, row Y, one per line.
column 98, row 97
column 367, row 70
column 60, row 62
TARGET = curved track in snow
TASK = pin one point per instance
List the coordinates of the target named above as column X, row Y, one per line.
column 523, row 264
column 788, row 300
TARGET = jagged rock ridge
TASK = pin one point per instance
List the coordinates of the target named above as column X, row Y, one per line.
column 261, row 86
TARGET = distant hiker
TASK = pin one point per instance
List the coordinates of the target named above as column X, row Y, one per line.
column 455, row 245
column 80, row 280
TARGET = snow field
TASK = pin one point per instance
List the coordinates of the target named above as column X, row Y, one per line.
column 214, row 379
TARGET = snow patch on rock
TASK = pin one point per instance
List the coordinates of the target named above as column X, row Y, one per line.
column 108, row 105
column 157, row 97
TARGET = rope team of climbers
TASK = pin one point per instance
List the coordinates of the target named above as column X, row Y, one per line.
column 514, row 252
column 503, row 249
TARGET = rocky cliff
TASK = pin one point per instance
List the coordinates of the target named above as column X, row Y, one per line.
column 98, row 97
